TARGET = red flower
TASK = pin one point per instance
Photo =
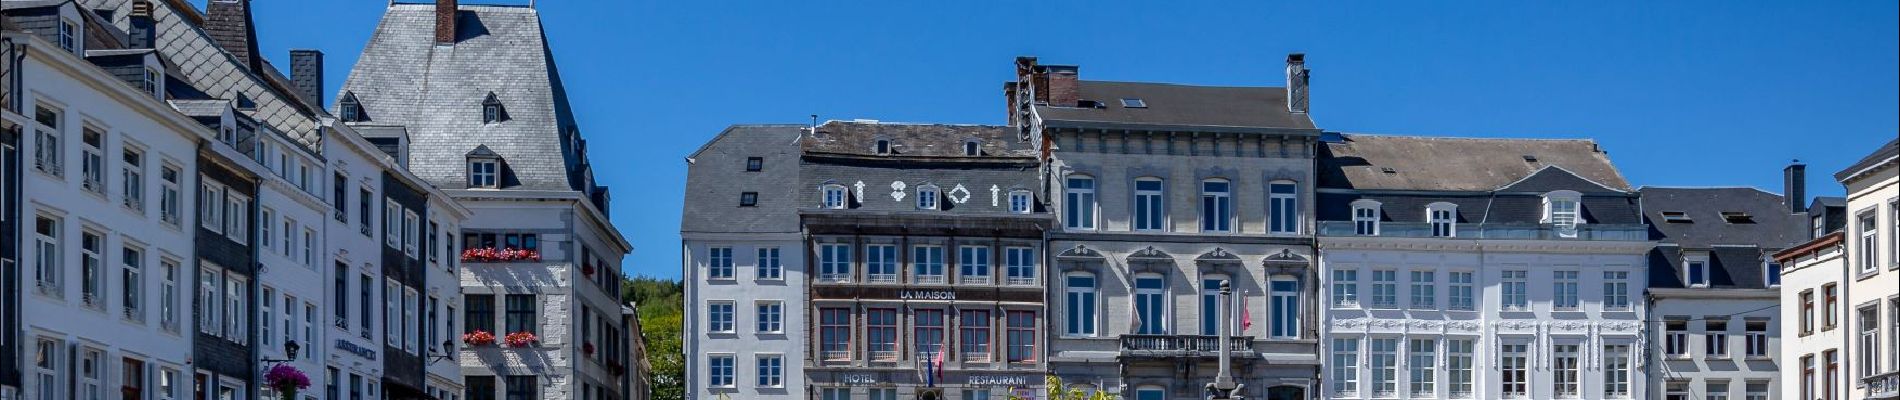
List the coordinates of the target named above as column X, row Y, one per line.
column 520, row 339
column 587, row 348
column 478, row 338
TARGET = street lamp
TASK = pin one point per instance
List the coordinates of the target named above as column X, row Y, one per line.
column 1224, row 386
column 448, row 346
column 290, row 352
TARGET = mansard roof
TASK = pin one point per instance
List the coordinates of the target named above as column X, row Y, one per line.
column 1174, row 105
column 911, row 141
column 1421, row 163
column 1883, row 155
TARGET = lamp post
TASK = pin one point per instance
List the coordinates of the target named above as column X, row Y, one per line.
column 290, row 353
column 1224, row 386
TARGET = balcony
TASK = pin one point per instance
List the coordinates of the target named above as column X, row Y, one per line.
column 1183, row 345
column 1498, row 231
column 1883, row 387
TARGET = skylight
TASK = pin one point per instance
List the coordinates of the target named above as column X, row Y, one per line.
column 1134, row 103
column 1737, row 217
column 1676, row 216
column 1530, row 158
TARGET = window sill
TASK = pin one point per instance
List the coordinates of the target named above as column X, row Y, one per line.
column 1863, row 275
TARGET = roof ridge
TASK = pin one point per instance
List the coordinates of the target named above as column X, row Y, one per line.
column 1183, row 84
column 1389, row 135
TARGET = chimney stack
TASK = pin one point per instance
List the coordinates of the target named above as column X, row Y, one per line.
column 306, row 76
column 1296, row 77
column 1062, row 85
column 229, row 23
column 1794, row 182
column 445, row 22
column 142, row 31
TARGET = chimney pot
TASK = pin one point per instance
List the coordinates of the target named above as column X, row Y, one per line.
column 142, row 31
column 1794, row 181
column 445, row 21
column 1296, row 78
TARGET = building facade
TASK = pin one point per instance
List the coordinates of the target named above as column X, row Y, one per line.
column 1163, row 192
column 1714, row 288
column 1848, row 297
column 1493, row 269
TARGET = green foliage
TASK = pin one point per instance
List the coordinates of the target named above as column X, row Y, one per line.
column 1055, row 390
column 661, row 307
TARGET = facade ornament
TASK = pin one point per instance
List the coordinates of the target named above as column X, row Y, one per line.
column 897, row 190
column 959, row 194
column 994, row 191
column 859, row 194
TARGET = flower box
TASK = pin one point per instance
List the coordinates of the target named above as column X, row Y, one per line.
column 491, row 254
column 478, row 338
column 520, row 339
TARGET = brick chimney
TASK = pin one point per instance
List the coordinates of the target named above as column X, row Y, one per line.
column 1794, row 185
column 229, row 23
column 445, row 22
column 1296, row 78
column 306, row 76
column 1062, row 85
column 142, row 30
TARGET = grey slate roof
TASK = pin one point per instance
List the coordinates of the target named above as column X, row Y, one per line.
column 24, row 4
column 403, row 78
column 1359, row 161
column 886, row 185
column 201, row 108
column 1179, row 105
column 716, row 176
column 1884, row 154
column 1773, row 227
column 915, row 140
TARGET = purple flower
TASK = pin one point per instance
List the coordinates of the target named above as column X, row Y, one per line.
column 284, row 377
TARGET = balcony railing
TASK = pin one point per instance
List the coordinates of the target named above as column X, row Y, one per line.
column 1183, row 345
column 1884, row 386
column 1498, row 231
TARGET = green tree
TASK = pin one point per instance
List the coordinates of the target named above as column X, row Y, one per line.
column 1055, row 390
column 660, row 306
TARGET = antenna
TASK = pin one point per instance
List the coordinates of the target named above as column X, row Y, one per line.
column 814, row 124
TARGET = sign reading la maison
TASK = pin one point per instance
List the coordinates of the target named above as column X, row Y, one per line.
column 1028, row 294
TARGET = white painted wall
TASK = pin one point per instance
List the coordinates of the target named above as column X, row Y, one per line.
column 746, row 290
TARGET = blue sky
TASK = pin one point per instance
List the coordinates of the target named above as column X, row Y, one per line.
column 1690, row 93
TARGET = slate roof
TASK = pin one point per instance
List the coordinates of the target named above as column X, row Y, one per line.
column 1179, row 105
column 1360, row 161
column 1772, row 226
column 1885, row 154
column 858, row 138
column 716, row 176
column 404, row 78
column 201, row 108
column 25, row 4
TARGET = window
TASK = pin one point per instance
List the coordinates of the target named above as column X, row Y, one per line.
column 392, row 313
column 833, row 197
column 1443, row 218
column 1283, row 212
column 719, row 369
column 91, row 262
column 1384, row 362
column 1019, row 201
column 1423, row 363
column 211, row 205
column 210, row 279
column 47, row 367
column 1345, row 288
column 310, row 248
column 1616, row 288
column 974, row 335
column 1211, row 305
column 1564, row 290
column 1756, row 339
column 1676, row 338
column 47, row 151
column 68, row 36
column 719, row 263
column 132, row 283
column 1869, row 346
column 1565, row 370
column 1461, row 291
column 880, row 333
column 1079, row 304
column 831, row 394
column 1150, row 305
column 481, row 313
column 1515, row 297
column 1771, row 274
column 1830, row 386
column 882, row 147
column 973, row 265
column 1829, row 313
column 1893, row 331
column 749, row 199
column 1020, row 265
column 834, row 263
column 364, row 210
column 1424, row 293
column 1150, row 213
column 927, row 196
column 769, row 267
column 1022, row 336
column 1562, row 212
column 92, row 160
column 1514, row 367
column 880, row 263
column 411, row 300
column 236, row 307
column 1133, row 103
column 1079, row 203
column 1385, row 289
column 771, row 316
column 392, row 223
column 754, row 164
column 771, row 370
column 927, row 261
column 1345, row 372
column 1616, row 371
column 1365, row 218
column 1715, row 338
column 1217, row 206
column 834, row 334
column 1807, row 312
column 132, row 179
column 718, row 316
column 1695, row 270
column 1284, row 308
column 168, row 383
column 482, row 173
column 237, row 224
column 168, row 295
column 1717, row 390
column 91, row 373
column 1458, row 368
column 46, row 256
column 265, row 314
column 929, row 330
column 410, row 224
column 521, row 311
column 169, row 196
column 1807, row 377
column 1755, row 391
column 1869, row 242
column 1676, row 390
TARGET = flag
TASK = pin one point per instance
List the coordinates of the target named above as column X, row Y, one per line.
column 1246, row 318
column 937, row 364
column 1134, row 324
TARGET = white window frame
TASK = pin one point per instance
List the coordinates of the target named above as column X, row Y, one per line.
column 1211, row 303
column 1365, row 217
column 170, row 196
column 1382, row 364
column 483, row 173
column 49, row 268
column 132, row 283
column 1515, row 289
column 720, row 316
column 975, row 266
column 237, row 219
column 1345, row 291
column 834, row 196
column 1566, row 370
column 1283, row 305
column 721, row 370
column 1695, row 270
column 1217, row 206
column 1460, row 366
column 1345, row 367
column 1079, row 204
column 1283, row 206
column 1385, row 289
column 1019, row 265
column 169, row 272
column 719, row 263
column 392, row 223
column 834, row 263
column 1616, row 370
column 1424, row 293
column 1157, row 300
column 1422, row 364
column 210, row 205
column 1564, row 287
column 770, row 266
column 1675, row 338
column 880, row 263
column 48, row 151
column 1868, row 340
column 1019, row 201
column 1616, row 290
column 92, row 159
column 1462, row 291
column 1563, row 210
column 132, row 178
column 928, row 196
column 1755, row 341
column 237, row 303
column 92, row 265
column 1150, row 210
column 1081, row 305
column 69, row 36
column 1868, row 224
column 927, row 264
column 1514, row 357
column 771, row 370
column 770, row 315
column 411, row 224
column 1443, row 218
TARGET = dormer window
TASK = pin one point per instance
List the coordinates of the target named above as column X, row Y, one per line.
column 492, row 111
column 754, row 164
column 1563, row 210
column 1695, row 270
column 1019, row 201
column 1676, row 217
column 68, row 36
column 832, row 196
column 1365, row 218
column 883, row 147
column 484, row 168
column 1443, row 218
column 971, row 148
column 1737, row 217
column 349, row 109
column 927, row 196
column 151, row 84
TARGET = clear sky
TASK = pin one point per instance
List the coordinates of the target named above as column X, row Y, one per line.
column 1687, row 93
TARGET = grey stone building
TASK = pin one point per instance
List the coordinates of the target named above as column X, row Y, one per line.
column 1162, row 192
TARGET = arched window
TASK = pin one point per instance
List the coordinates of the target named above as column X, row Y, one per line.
column 1365, row 217
column 1211, row 304
column 972, row 147
column 833, row 196
column 1217, row 206
column 1443, row 217
column 1283, row 207
column 1151, row 304
column 1150, row 214
column 1563, row 210
column 1079, row 304
column 1079, row 202
column 1020, row 201
column 927, row 196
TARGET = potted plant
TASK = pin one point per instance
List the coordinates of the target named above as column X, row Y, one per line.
column 478, row 338
column 286, row 380
column 520, row 339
